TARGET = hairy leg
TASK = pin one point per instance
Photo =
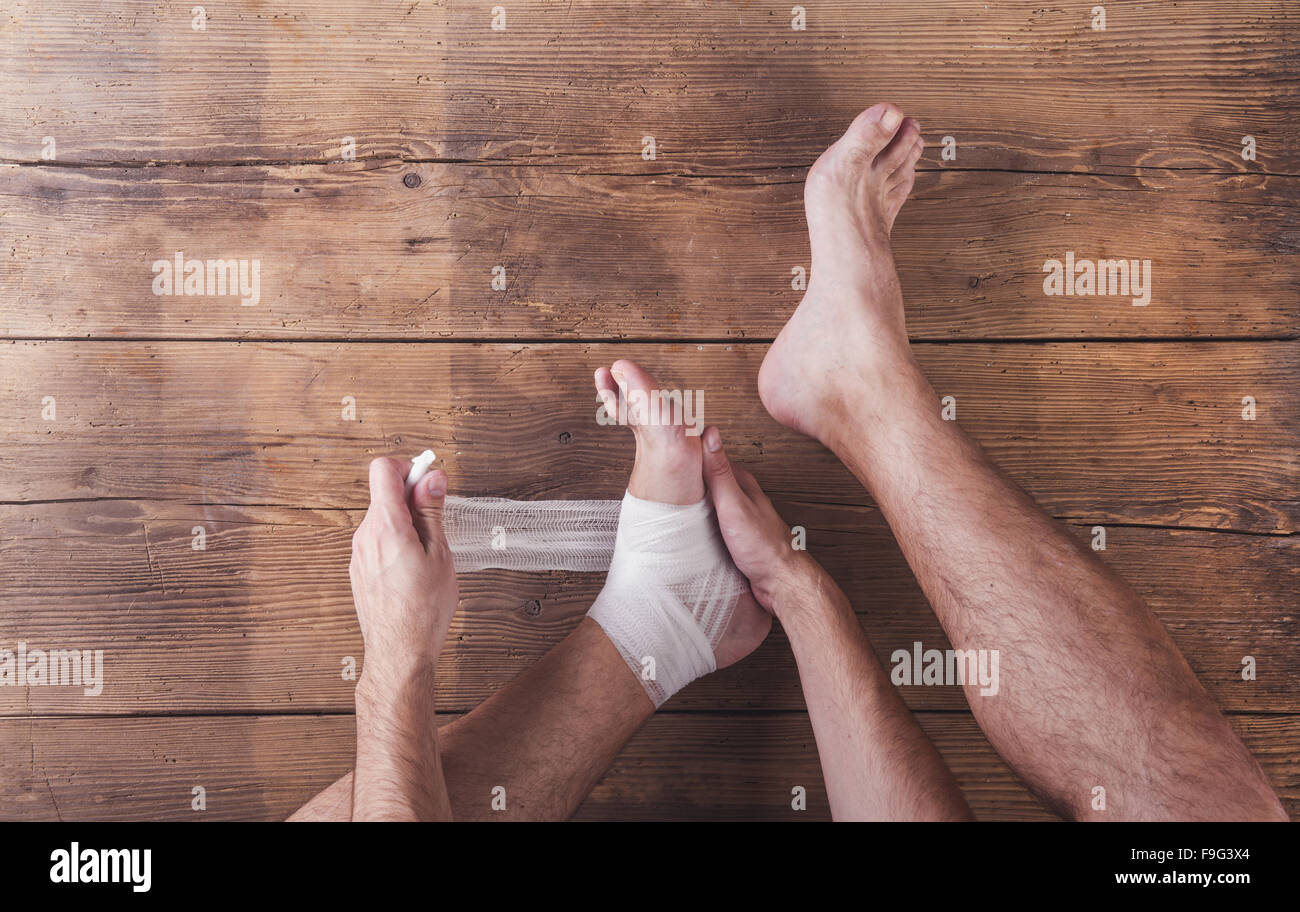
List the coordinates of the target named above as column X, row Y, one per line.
column 1093, row 692
column 878, row 763
column 546, row 737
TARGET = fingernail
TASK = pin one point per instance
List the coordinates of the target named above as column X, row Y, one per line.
column 713, row 440
column 438, row 485
column 619, row 376
column 891, row 120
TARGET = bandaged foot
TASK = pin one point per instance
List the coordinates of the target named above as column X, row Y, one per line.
column 671, row 588
column 670, row 593
column 673, row 605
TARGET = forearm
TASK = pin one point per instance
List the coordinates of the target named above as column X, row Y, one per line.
column 398, row 767
column 877, row 762
column 546, row 737
column 549, row 735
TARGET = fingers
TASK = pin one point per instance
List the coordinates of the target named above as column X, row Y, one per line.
column 728, row 497
column 427, row 499
column 720, row 463
column 388, row 490
column 749, row 484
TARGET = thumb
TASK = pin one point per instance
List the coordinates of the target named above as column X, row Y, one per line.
column 728, row 498
column 427, row 498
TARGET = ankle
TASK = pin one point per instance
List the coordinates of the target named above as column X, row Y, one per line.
column 869, row 393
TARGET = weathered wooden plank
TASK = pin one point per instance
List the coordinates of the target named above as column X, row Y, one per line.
column 262, row 618
column 1018, row 84
column 599, row 243
column 1150, row 433
column 351, row 251
column 679, row 766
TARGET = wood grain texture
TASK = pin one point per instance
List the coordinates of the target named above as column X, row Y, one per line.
column 262, row 619
column 522, row 148
column 1020, row 85
column 350, row 251
column 1119, row 433
column 679, row 767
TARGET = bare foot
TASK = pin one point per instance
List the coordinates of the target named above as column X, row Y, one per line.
column 669, row 469
column 851, row 318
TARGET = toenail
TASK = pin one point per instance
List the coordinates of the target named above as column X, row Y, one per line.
column 891, row 120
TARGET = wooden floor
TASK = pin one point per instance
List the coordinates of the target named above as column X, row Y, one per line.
column 522, row 148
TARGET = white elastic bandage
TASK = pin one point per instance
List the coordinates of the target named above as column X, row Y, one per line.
column 530, row 535
column 670, row 593
column 671, row 587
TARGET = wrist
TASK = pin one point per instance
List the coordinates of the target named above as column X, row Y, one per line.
column 385, row 683
column 802, row 586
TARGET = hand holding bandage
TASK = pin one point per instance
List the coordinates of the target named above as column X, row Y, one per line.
column 403, row 583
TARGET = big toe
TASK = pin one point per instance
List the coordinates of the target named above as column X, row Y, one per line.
column 873, row 129
column 666, row 426
column 898, row 155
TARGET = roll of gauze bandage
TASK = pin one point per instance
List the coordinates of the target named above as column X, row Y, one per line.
column 420, row 466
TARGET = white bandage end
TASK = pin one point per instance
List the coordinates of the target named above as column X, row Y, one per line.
column 420, row 466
